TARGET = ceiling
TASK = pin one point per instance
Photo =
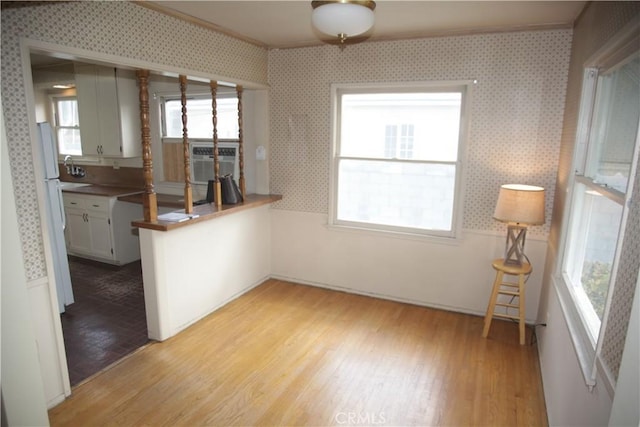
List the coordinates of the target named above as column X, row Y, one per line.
column 286, row 24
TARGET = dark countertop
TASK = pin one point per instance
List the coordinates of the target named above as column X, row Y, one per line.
column 164, row 200
column 103, row 190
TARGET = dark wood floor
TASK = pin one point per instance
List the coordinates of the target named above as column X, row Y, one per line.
column 107, row 321
column 287, row 354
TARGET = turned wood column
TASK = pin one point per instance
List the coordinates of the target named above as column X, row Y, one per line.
column 149, row 199
column 188, row 197
column 216, row 165
column 241, row 181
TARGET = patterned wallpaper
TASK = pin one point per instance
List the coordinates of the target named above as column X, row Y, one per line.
column 116, row 28
column 596, row 25
column 516, row 110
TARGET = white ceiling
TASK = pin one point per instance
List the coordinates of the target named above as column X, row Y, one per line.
column 282, row 24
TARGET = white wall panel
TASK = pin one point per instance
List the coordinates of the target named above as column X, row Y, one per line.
column 455, row 276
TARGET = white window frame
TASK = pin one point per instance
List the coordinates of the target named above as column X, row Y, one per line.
column 588, row 350
column 176, row 96
column 465, row 88
column 55, row 99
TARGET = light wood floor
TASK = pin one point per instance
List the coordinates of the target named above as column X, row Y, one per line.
column 287, row 354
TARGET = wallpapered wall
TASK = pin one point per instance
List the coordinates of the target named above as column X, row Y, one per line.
column 116, row 28
column 516, row 111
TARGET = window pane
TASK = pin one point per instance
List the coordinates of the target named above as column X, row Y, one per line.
column 414, row 195
column 199, row 118
column 69, row 141
column 594, row 234
column 67, row 112
column 421, row 126
column 615, row 126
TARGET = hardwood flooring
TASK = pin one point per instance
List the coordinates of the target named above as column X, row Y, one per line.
column 287, row 354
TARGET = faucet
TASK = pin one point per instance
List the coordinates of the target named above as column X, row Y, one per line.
column 73, row 170
column 69, row 168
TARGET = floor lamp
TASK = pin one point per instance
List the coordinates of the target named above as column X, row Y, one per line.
column 519, row 206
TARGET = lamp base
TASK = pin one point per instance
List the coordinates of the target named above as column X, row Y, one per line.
column 514, row 248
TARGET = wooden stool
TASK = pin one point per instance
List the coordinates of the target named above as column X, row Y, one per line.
column 510, row 289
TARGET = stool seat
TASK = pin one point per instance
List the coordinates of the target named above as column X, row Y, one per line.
column 499, row 264
column 509, row 289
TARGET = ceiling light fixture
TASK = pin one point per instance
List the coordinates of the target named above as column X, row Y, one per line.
column 343, row 18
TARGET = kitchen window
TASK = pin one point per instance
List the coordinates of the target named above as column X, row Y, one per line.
column 605, row 163
column 67, row 125
column 199, row 117
column 396, row 162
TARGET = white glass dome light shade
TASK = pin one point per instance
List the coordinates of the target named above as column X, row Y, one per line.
column 348, row 19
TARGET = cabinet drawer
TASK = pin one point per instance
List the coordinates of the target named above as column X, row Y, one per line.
column 100, row 204
column 77, row 202
column 90, row 203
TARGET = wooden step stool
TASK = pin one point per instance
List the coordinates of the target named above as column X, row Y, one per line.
column 500, row 287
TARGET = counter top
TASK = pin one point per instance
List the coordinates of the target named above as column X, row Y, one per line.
column 164, row 200
column 204, row 212
column 103, row 190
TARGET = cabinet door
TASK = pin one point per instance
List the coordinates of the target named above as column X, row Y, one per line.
column 100, row 231
column 109, row 120
column 129, row 110
column 87, row 96
column 78, row 233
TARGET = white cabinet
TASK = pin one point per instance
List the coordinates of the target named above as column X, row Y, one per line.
column 108, row 110
column 100, row 228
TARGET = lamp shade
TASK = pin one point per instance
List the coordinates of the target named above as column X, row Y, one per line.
column 523, row 204
column 343, row 18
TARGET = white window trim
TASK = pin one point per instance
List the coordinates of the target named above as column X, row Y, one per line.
column 172, row 96
column 588, row 352
column 460, row 178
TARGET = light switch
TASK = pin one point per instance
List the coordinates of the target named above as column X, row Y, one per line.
column 261, row 153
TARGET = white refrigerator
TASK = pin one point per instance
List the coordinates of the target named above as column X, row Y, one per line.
column 55, row 215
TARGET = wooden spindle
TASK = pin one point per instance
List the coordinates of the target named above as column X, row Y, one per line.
column 216, row 165
column 149, row 198
column 188, row 195
column 241, row 181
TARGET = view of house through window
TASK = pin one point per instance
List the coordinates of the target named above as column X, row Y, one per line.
column 396, row 162
column 199, row 118
column 67, row 126
column 600, row 192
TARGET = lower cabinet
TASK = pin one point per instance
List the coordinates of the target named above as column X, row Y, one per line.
column 100, row 228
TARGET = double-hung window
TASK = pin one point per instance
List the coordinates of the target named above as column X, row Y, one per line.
column 67, row 125
column 199, row 117
column 605, row 164
column 397, row 157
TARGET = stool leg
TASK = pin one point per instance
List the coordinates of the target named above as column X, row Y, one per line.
column 521, row 298
column 492, row 303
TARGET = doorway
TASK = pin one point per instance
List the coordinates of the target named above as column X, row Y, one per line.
column 107, row 321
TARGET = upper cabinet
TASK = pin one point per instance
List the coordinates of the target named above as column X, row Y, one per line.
column 108, row 109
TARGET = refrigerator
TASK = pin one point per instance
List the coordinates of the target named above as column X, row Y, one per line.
column 54, row 214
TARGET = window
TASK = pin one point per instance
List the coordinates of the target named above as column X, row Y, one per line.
column 199, row 117
column 604, row 163
column 402, row 134
column 67, row 126
column 396, row 160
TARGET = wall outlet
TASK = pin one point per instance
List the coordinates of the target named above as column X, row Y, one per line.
column 116, row 165
column 261, row 153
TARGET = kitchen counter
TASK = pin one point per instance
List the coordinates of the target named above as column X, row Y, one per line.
column 164, row 200
column 102, row 190
column 203, row 212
